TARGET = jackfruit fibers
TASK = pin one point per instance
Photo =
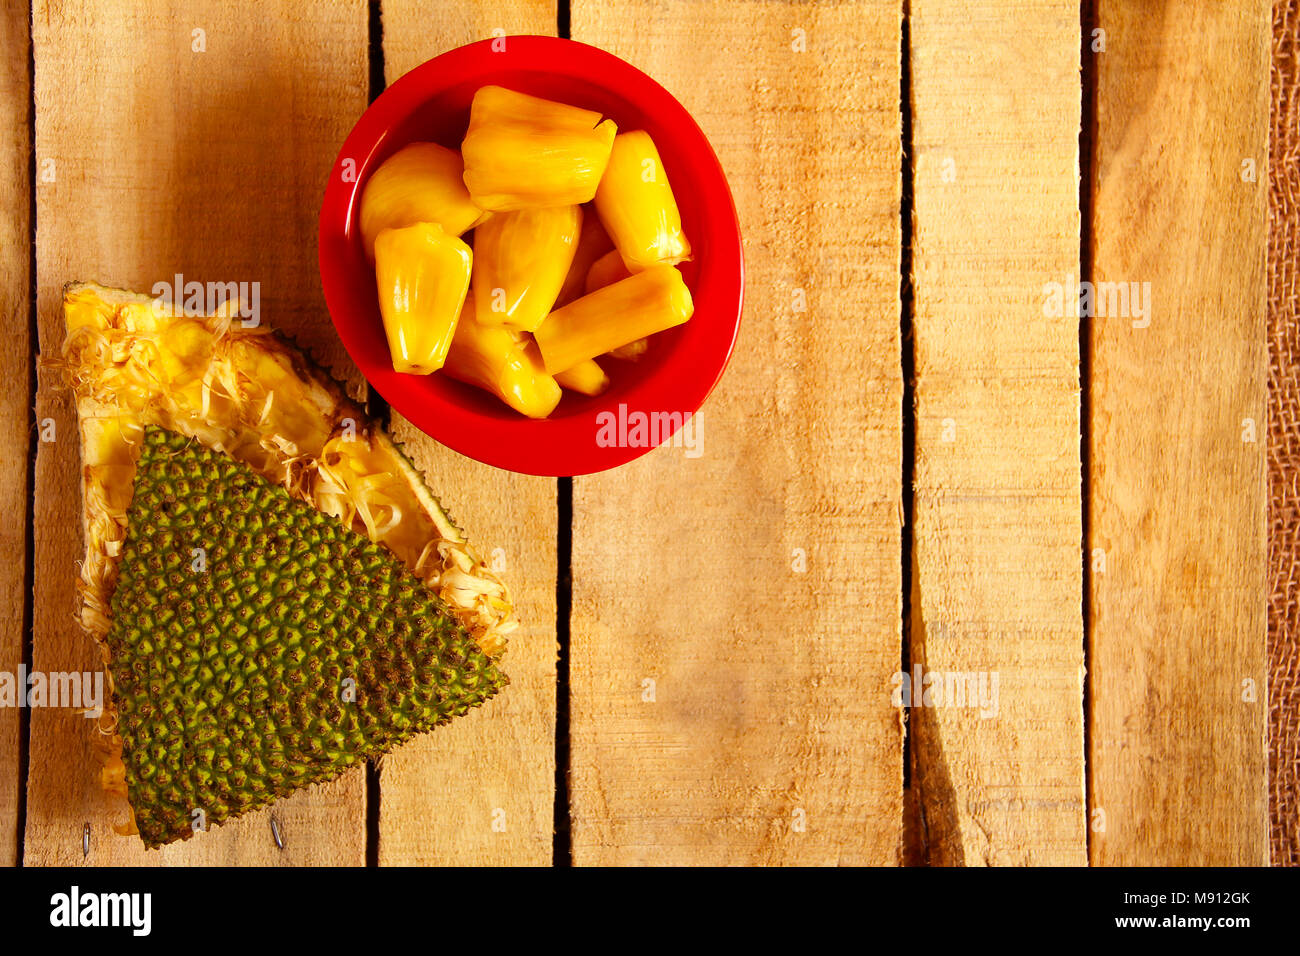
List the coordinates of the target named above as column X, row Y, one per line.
column 259, row 646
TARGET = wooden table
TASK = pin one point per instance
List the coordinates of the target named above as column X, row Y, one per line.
column 915, row 461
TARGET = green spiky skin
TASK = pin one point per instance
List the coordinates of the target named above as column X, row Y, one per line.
column 230, row 682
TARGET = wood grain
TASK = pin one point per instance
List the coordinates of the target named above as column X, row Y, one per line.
column 155, row 158
column 1177, row 490
column 767, row 735
column 997, row 589
column 482, row 790
column 15, row 413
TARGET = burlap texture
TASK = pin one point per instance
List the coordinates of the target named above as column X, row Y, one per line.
column 1284, row 437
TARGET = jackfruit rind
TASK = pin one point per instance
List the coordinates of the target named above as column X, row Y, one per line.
column 258, row 646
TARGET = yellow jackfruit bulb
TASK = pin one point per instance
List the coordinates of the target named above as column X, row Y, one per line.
column 631, row 352
column 523, row 151
column 423, row 277
column 593, row 243
column 637, row 205
column 587, row 378
column 609, row 318
column 422, row 182
column 520, row 261
column 606, row 270
column 503, row 362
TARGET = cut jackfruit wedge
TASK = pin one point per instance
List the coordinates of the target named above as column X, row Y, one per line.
column 248, row 393
column 259, row 646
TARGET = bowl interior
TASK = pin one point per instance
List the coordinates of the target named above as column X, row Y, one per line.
column 682, row 364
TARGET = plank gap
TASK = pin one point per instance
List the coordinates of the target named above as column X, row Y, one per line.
column 913, row 830
column 375, row 27
column 562, row 847
column 1087, row 126
column 562, row 18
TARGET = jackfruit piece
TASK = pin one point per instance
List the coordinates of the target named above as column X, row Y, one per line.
column 422, row 182
column 523, row 151
column 520, row 261
column 586, row 378
column 637, row 206
column 593, row 242
column 606, row 270
column 631, row 352
column 423, row 274
column 608, row 318
column 504, row 362
column 258, row 646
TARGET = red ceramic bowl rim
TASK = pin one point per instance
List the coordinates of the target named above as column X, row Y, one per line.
column 565, row 445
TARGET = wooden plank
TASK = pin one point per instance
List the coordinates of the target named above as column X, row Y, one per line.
column 997, row 596
column 758, row 585
column 1177, row 487
column 156, row 157
column 482, row 790
column 15, row 371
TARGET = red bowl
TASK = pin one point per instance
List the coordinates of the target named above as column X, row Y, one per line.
column 683, row 364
